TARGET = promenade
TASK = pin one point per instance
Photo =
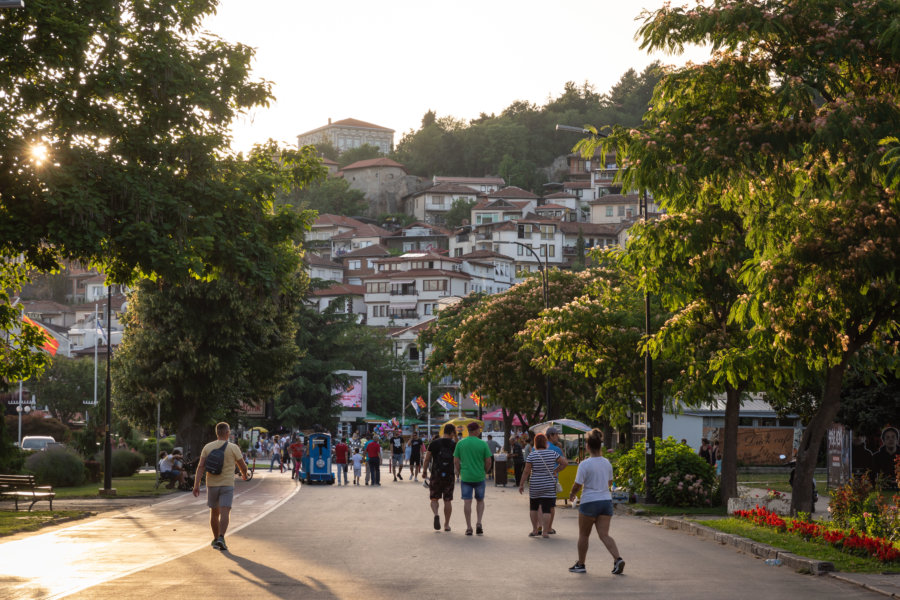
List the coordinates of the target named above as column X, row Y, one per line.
column 301, row 541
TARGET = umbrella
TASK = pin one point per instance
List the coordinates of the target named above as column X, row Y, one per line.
column 259, row 429
column 565, row 426
column 497, row 415
column 461, row 424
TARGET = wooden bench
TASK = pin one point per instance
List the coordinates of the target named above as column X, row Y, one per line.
column 16, row 487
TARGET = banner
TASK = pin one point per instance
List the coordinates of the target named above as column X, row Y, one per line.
column 51, row 345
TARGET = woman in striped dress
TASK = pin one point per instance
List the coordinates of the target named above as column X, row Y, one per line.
column 541, row 469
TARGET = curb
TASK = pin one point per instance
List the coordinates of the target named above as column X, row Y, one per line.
column 798, row 563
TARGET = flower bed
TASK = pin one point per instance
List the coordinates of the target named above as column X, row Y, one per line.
column 849, row 541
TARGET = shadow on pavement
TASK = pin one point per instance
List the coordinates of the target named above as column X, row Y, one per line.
column 276, row 582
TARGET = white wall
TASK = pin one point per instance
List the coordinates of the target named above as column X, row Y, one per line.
column 685, row 427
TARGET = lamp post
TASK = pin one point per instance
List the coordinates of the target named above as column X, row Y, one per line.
column 545, row 281
column 25, row 407
column 650, row 444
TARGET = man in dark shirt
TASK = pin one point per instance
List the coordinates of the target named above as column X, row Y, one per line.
column 415, row 455
column 341, row 456
column 397, row 455
column 443, row 476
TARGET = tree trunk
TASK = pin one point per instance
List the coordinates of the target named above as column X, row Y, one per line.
column 729, row 452
column 811, row 441
column 190, row 435
column 507, row 425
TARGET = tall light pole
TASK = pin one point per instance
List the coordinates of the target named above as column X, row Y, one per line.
column 543, row 266
column 650, row 444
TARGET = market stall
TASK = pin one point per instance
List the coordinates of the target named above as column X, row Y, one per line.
column 569, row 430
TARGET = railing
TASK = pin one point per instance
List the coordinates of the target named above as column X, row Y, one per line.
column 412, row 292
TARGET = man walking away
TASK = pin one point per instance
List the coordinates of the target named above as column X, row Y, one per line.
column 472, row 459
column 415, row 455
column 296, row 449
column 495, row 448
column 397, row 455
column 341, row 455
column 554, row 444
column 220, row 488
column 440, row 457
column 373, row 460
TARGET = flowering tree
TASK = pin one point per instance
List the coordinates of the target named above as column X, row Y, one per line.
column 783, row 126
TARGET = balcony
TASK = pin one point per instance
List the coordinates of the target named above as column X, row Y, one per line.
column 405, row 292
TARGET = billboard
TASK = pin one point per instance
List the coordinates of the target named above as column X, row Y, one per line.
column 352, row 398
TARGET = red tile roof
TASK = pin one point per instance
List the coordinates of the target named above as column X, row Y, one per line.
column 376, row 250
column 341, row 289
column 449, row 188
column 577, row 185
column 617, row 199
column 476, row 180
column 512, row 192
column 348, row 123
column 364, row 230
column 317, row 259
column 411, row 273
column 560, row 195
column 374, row 163
column 551, row 207
column 326, row 219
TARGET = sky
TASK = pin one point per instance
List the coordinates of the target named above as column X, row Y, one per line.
column 388, row 63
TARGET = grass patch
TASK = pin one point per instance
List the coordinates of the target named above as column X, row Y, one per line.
column 776, row 481
column 136, row 486
column 14, row 522
column 815, row 549
column 655, row 510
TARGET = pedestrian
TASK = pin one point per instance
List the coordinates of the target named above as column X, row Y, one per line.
column 541, row 471
column 415, row 455
column 472, row 459
column 526, row 446
column 296, row 448
column 286, row 453
column 276, row 453
column 357, row 466
column 220, row 487
column 494, row 448
column 594, row 479
column 705, row 451
column 440, row 485
column 341, row 455
column 397, row 455
column 373, row 461
column 518, row 458
column 553, row 443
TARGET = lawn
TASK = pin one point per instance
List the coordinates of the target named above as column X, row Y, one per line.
column 776, row 481
column 657, row 510
column 13, row 522
column 139, row 485
column 815, row 549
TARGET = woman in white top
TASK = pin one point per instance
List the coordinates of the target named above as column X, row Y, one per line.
column 595, row 476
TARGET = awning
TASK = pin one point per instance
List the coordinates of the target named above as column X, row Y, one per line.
column 402, row 281
column 403, row 306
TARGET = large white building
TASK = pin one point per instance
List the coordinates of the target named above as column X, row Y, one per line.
column 350, row 133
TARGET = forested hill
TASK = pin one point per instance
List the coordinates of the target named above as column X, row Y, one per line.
column 521, row 143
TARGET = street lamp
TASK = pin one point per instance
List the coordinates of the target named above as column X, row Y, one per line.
column 650, row 445
column 545, row 281
column 23, row 407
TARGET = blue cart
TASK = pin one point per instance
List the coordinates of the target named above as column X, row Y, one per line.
column 315, row 467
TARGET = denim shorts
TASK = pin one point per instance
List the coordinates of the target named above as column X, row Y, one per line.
column 468, row 488
column 598, row 508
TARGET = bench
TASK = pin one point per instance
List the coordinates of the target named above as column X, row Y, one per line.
column 16, row 487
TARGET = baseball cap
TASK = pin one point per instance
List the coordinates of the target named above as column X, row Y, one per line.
column 552, row 431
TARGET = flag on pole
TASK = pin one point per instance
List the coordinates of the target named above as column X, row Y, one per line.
column 102, row 332
column 51, row 344
column 420, row 401
column 415, row 407
column 476, row 398
column 449, row 399
column 443, row 403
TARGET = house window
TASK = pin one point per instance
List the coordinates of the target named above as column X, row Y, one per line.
column 379, row 310
column 427, row 309
column 609, row 211
column 485, row 218
column 354, row 264
column 621, row 211
column 437, row 200
column 377, row 287
column 434, row 285
column 413, row 353
column 524, row 231
column 457, row 252
column 547, row 232
column 545, row 249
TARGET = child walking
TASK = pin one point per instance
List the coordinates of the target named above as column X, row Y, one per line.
column 357, row 465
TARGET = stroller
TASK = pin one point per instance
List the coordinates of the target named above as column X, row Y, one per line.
column 190, row 473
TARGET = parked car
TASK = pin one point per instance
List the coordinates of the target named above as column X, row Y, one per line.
column 36, row 443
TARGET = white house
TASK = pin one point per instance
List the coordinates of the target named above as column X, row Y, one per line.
column 361, row 237
column 344, row 298
column 491, row 272
column 431, row 205
column 483, row 185
column 322, row 267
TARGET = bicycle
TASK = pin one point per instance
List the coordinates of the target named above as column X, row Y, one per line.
column 251, row 466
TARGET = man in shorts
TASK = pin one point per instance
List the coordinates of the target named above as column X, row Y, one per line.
column 553, row 443
column 397, row 455
column 373, row 461
column 472, row 459
column 296, row 449
column 341, row 460
column 220, row 488
column 440, row 486
column 415, row 455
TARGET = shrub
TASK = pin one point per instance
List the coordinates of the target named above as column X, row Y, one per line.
column 125, row 463
column 33, row 424
column 681, row 477
column 60, row 467
column 856, row 506
column 148, row 448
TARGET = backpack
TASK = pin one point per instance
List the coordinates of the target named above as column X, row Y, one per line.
column 443, row 460
column 215, row 461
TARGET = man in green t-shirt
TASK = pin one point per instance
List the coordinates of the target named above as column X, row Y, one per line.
column 472, row 459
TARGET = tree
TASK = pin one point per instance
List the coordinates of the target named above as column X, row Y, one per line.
column 66, row 387
column 364, row 152
column 784, row 127
column 330, row 196
column 460, row 211
column 112, row 122
column 201, row 348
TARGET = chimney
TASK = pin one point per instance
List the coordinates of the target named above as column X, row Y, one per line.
column 329, row 120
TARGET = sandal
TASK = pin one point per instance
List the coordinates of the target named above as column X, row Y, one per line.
column 533, row 534
column 469, row 531
column 552, row 531
column 479, row 530
column 447, row 528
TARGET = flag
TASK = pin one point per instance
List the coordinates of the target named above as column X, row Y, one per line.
column 415, row 407
column 476, row 398
column 51, row 344
column 102, row 332
column 420, row 401
column 443, row 403
column 449, row 400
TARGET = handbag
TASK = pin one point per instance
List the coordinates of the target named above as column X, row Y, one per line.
column 558, row 484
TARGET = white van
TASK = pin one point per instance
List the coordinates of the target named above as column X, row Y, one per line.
column 36, row 443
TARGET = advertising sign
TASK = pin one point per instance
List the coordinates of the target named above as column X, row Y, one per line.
column 353, row 397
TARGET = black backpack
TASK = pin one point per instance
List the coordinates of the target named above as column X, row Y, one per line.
column 443, row 460
column 216, row 460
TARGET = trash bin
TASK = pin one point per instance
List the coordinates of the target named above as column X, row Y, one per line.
column 500, row 474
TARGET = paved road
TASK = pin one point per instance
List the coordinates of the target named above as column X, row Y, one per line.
column 363, row 542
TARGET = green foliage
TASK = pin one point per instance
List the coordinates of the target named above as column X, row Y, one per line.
column 855, row 505
column 33, row 424
column 148, row 449
column 460, row 211
column 86, row 442
column 66, row 386
column 352, row 155
column 57, row 467
column 330, row 196
column 681, row 477
column 126, row 463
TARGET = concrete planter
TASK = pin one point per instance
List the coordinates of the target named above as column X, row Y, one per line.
column 779, row 506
